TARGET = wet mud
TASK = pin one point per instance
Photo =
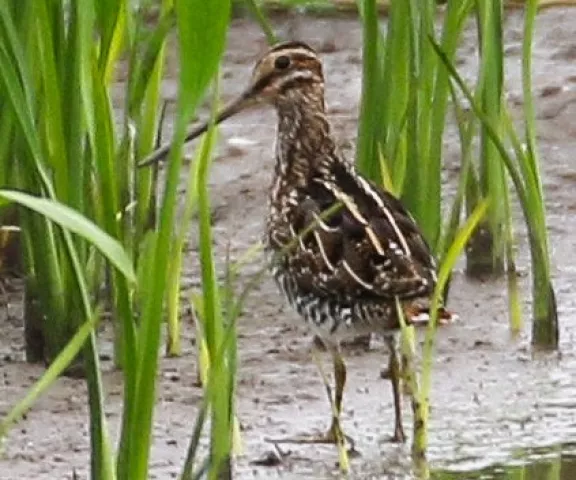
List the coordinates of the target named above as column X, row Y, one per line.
column 492, row 397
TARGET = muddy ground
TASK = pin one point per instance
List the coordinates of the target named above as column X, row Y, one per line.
column 491, row 397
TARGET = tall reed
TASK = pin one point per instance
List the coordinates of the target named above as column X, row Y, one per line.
column 407, row 75
column 89, row 209
column 404, row 105
column 486, row 251
column 522, row 167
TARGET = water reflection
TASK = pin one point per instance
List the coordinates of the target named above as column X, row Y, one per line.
column 557, row 463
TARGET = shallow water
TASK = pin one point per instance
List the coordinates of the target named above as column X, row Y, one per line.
column 557, row 462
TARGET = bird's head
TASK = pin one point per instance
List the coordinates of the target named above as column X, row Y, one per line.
column 288, row 72
column 285, row 68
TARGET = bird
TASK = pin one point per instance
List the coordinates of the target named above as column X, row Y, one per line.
column 341, row 249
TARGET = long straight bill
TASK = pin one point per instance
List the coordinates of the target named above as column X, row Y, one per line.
column 244, row 101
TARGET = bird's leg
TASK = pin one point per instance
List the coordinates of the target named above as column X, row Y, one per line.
column 334, row 434
column 340, row 381
column 407, row 346
column 394, row 375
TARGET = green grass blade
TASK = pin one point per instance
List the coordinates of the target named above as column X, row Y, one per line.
column 212, row 319
column 73, row 221
column 55, row 369
column 466, row 130
column 366, row 151
column 490, row 254
column 111, row 18
column 256, row 11
column 194, row 444
column 545, row 331
column 102, row 460
column 190, row 207
column 209, row 281
column 23, row 113
column 420, row 442
column 144, row 66
column 200, row 51
column 491, row 130
column 457, row 12
column 103, row 143
column 55, row 137
column 545, row 325
column 149, row 71
column 15, row 51
column 399, row 79
column 529, row 111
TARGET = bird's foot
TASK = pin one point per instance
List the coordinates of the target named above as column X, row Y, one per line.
column 331, row 437
column 399, row 436
column 344, row 443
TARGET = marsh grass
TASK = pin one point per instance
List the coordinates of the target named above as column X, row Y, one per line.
column 522, row 167
column 88, row 210
column 486, row 250
column 409, row 80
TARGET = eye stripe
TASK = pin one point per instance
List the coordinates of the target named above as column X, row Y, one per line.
column 292, row 45
column 301, row 56
column 286, row 79
column 296, row 54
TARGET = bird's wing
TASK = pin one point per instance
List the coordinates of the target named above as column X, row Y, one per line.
column 355, row 240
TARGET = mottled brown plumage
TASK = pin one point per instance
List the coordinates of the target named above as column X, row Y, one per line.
column 363, row 255
column 342, row 249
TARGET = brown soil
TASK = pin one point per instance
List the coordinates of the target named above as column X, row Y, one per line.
column 491, row 396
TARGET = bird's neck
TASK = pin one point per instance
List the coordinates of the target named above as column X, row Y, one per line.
column 304, row 143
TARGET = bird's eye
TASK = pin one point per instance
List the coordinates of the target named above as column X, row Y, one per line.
column 282, row 62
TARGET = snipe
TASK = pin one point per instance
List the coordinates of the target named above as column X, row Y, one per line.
column 343, row 249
